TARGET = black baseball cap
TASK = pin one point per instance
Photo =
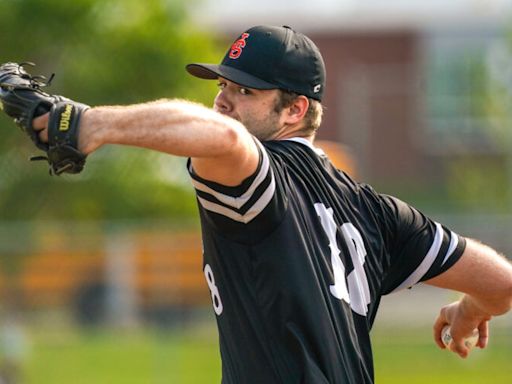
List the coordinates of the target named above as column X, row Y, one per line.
column 268, row 57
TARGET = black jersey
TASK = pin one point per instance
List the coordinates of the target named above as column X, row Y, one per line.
column 297, row 258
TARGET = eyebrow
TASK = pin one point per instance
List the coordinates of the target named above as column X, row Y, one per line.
column 232, row 82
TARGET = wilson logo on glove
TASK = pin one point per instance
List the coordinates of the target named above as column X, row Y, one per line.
column 65, row 118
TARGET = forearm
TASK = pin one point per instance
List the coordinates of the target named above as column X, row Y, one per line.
column 487, row 307
column 491, row 292
column 172, row 126
column 484, row 276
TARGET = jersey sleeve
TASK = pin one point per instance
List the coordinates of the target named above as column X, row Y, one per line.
column 256, row 204
column 418, row 248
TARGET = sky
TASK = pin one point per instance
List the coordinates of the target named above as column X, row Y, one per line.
column 325, row 14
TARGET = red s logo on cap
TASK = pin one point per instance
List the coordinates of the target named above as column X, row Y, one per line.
column 238, row 46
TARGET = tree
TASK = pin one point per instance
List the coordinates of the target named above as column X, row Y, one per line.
column 102, row 52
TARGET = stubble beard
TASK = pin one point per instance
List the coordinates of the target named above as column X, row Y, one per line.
column 263, row 129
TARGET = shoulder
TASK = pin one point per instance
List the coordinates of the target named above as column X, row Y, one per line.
column 291, row 144
column 298, row 151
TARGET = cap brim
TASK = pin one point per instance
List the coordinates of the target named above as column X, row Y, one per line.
column 213, row 71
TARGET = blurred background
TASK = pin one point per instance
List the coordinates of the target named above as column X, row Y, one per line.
column 101, row 273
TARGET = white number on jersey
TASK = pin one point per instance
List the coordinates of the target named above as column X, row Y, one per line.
column 357, row 292
column 216, row 301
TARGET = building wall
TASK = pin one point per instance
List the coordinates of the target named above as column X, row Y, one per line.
column 372, row 100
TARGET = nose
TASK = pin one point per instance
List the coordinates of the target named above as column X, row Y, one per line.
column 222, row 103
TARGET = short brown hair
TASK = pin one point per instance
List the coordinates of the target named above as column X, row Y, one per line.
column 313, row 116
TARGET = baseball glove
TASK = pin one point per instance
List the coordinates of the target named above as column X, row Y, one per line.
column 22, row 98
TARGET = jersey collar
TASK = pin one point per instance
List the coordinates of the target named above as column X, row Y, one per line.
column 307, row 143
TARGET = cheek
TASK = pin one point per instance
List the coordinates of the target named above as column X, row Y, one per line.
column 263, row 112
column 249, row 117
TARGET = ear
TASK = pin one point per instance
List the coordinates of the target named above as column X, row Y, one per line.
column 294, row 113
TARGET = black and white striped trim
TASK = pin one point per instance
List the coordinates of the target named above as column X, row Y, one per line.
column 431, row 257
column 249, row 204
column 454, row 241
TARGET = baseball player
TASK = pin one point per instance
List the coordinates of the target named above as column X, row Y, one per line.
column 297, row 255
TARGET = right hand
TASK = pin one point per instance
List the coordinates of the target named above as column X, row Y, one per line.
column 462, row 317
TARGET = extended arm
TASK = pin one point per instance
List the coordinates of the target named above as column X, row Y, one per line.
column 486, row 280
column 221, row 148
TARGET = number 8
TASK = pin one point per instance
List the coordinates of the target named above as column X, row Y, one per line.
column 216, row 301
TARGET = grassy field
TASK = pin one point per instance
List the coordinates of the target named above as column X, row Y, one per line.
column 190, row 355
column 410, row 356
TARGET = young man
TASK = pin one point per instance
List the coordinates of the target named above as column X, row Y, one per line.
column 296, row 254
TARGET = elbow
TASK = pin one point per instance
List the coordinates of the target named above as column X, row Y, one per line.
column 225, row 134
column 234, row 137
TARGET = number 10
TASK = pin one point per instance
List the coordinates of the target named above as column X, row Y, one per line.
column 357, row 292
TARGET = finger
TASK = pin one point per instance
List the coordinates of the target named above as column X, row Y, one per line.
column 483, row 338
column 43, row 135
column 438, row 329
column 459, row 343
column 459, row 348
column 41, row 122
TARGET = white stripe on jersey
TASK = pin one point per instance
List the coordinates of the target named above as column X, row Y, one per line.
column 454, row 241
column 254, row 211
column 427, row 262
column 237, row 202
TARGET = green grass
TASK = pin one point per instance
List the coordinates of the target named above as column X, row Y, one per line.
column 410, row 356
column 190, row 355
column 113, row 357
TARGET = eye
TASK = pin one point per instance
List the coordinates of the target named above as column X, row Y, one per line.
column 221, row 85
column 244, row 91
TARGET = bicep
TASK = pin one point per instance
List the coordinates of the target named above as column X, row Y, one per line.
column 480, row 271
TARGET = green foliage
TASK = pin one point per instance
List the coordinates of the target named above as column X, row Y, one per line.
column 478, row 183
column 480, row 179
column 102, row 52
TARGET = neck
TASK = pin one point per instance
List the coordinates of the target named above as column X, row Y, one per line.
column 288, row 132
